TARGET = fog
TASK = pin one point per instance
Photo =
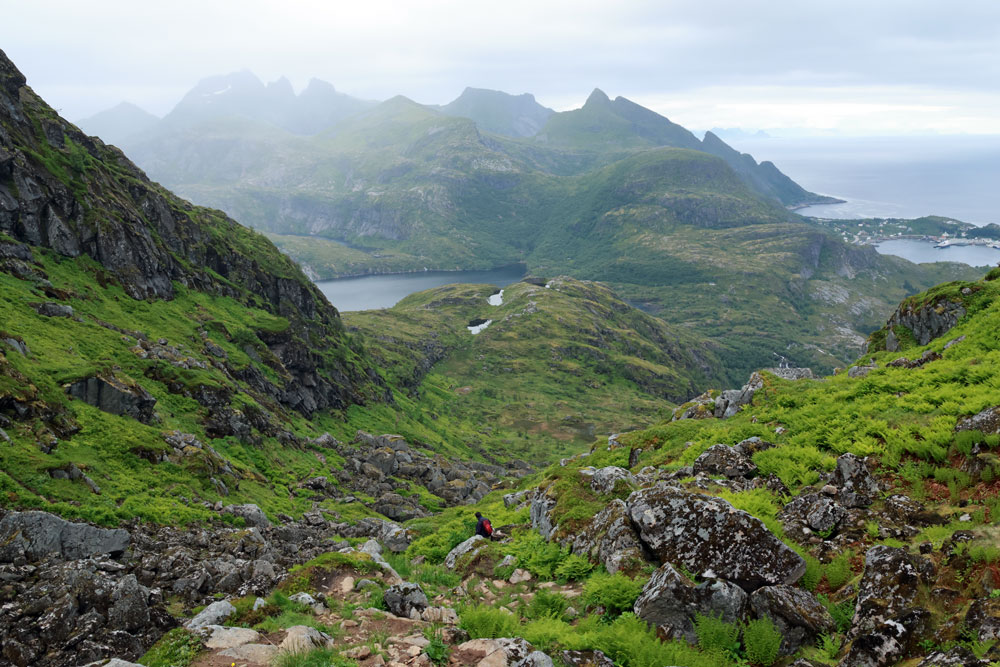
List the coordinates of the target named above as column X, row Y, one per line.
column 829, row 67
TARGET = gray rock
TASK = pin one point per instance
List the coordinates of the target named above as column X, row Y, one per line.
column 513, row 499
column 252, row 514
column 795, row 612
column 468, row 547
column 406, row 599
column 861, row 371
column 857, row 486
column 724, row 460
column 889, row 585
column 222, row 637
column 604, row 479
column 958, row 656
column 670, row 603
column 50, row 309
column 502, row 652
column 983, row 618
column 33, row 535
column 303, row 598
column 888, row 642
column 303, row 639
column 129, row 610
column 213, row 614
column 711, row 538
column 258, row 654
column 810, row 513
column 541, row 513
column 115, row 396
column 611, row 539
column 586, row 659
column 925, row 321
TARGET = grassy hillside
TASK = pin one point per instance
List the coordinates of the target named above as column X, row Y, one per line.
column 556, row 365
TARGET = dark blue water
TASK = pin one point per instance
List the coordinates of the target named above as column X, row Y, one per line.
column 892, row 177
column 385, row 291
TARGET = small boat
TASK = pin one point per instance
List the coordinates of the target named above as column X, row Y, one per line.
column 943, row 244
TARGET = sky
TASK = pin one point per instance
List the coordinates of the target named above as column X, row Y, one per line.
column 801, row 66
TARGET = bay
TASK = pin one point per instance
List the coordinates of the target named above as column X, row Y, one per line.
column 923, row 251
column 386, row 290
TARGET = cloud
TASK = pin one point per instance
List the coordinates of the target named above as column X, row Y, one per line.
column 101, row 51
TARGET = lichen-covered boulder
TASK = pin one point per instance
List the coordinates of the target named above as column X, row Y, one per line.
column 889, row 642
column 724, row 460
column 406, row 599
column 670, row 603
column 501, row 652
column 213, row 614
column 857, row 487
column 890, row 583
column 957, row 656
column 603, row 480
column 711, row 538
column 811, row 513
column 252, row 514
column 610, row 539
column 906, row 511
column 586, row 659
column 795, row 612
column 541, row 513
column 469, row 546
column 983, row 618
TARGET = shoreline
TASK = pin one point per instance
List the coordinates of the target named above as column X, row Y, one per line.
column 357, row 276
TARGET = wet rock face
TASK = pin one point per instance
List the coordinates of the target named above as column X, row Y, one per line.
column 670, row 603
column 710, row 537
column 890, row 583
column 724, row 460
column 611, row 539
column 30, row 536
column 405, row 599
column 857, row 487
column 796, row 613
column 112, row 395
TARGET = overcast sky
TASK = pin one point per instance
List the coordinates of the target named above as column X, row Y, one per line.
column 871, row 66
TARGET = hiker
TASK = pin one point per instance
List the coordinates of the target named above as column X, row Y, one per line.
column 483, row 526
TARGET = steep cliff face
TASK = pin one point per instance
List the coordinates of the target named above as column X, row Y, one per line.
column 72, row 194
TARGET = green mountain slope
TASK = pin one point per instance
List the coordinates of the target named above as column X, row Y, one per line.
column 558, row 363
column 500, row 113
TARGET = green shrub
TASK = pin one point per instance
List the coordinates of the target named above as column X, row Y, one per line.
column 615, row 592
column 321, row 657
column 573, row 568
column 984, row 553
column 630, row 642
column 536, row 555
column 717, row 636
column 546, row 603
column 548, row 633
column 761, row 641
column 485, row 622
column 177, row 648
column 838, row 571
column 437, row 650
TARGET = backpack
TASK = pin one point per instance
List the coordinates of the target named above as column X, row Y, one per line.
column 487, row 527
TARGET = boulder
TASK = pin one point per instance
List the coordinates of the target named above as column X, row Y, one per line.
column 983, row 618
column 502, row 652
column 711, row 538
column 541, row 513
column 586, row 659
column 302, row 639
column 957, row 656
column 906, row 511
column 213, row 614
column 809, row 513
column 889, row 642
column 987, row 421
column 669, row 602
column 115, row 395
column 129, row 610
column 857, row 487
column 799, row 616
column 439, row 615
column 466, row 548
column 222, row 637
column 34, row 535
column 514, row 499
column 258, row 654
column 252, row 514
column 610, row 539
column 890, row 583
column 603, row 480
column 50, row 309
column 406, row 599
column 724, row 460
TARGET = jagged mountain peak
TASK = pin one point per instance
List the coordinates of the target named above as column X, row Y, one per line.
column 597, row 98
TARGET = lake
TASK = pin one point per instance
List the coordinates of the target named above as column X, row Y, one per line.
column 922, row 251
column 385, row 291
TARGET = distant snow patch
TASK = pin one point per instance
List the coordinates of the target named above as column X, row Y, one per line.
column 496, row 299
column 479, row 327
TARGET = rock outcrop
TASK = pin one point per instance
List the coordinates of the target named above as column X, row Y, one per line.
column 31, row 536
column 711, row 538
column 796, row 613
